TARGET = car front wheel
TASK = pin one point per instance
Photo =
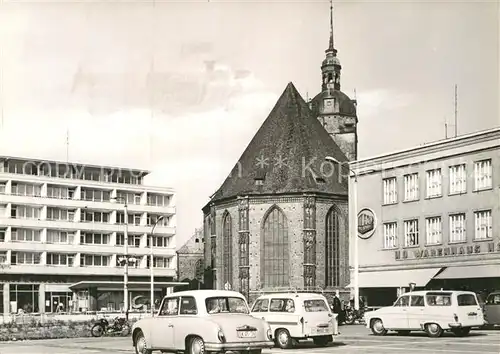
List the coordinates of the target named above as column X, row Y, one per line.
column 283, row 339
column 141, row 346
column 433, row 330
column 196, row 346
column 377, row 327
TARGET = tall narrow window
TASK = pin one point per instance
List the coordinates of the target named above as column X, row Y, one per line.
column 483, row 223
column 390, row 235
column 227, row 239
column 433, row 230
column 332, row 271
column 458, row 179
column 411, row 187
column 434, row 183
column 390, row 190
column 457, row 228
column 275, row 257
column 411, row 233
column 482, row 175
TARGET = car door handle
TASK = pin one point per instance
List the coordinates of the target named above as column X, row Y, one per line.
column 171, row 325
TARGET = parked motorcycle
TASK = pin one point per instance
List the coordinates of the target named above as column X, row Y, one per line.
column 351, row 316
column 118, row 326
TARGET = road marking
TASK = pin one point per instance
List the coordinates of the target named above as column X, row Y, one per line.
column 407, row 349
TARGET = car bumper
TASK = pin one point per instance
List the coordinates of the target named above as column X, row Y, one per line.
column 217, row 347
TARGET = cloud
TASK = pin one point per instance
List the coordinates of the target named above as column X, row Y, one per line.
column 191, row 149
column 375, row 102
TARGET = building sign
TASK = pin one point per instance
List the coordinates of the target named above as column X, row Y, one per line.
column 448, row 251
column 367, row 222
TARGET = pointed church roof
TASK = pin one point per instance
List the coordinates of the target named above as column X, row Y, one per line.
column 286, row 155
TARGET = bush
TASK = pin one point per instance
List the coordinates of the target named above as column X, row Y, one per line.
column 34, row 329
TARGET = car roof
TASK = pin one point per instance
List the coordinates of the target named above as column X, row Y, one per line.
column 292, row 295
column 424, row 292
column 206, row 293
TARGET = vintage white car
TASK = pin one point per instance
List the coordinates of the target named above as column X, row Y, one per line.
column 297, row 316
column 202, row 321
column 431, row 311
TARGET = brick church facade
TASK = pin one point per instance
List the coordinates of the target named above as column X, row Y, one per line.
column 279, row 221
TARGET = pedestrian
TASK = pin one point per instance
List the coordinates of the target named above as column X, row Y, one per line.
column 337, row 309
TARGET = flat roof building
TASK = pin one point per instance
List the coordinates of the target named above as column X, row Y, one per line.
column 429, row 215
column 62, row 230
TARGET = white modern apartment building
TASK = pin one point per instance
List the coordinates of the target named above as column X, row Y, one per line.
column 62, row 231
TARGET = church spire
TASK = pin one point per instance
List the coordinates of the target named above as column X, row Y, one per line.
column 330, row 46
column 330, row 67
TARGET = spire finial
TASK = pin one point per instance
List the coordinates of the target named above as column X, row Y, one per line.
column 331, row 25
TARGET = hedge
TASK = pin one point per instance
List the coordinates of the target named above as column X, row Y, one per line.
column 49, row 330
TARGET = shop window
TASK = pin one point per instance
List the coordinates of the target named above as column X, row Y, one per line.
column 24, row 298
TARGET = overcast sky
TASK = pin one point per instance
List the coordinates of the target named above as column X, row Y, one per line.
column 181, row 88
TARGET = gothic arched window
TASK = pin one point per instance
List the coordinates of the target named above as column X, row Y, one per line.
column 275, row 257
column 227, row 253
column 198, row 270
column 332, row 228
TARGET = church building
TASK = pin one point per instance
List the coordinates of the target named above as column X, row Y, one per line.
column 279, row 222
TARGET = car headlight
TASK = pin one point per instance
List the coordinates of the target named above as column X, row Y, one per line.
column 269, row 334
column 221, row 336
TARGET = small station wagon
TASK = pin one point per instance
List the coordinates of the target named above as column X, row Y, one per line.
column 295, row 317
column 202, row 321
column 492, row 309
column 431, row 311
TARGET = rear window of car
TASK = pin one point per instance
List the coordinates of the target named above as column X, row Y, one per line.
column 466, row 300
column 282, row 305
column 223, row 304
column 315, row 305
column 438, row 299
column 493, row 299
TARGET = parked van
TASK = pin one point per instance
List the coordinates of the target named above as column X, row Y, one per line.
column 431, row 311
column 492, row 309
column 298, row 316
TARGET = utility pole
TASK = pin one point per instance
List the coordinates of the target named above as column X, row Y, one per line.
column 456, row 110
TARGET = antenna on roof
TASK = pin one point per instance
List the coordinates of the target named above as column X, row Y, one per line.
column 456, row 110
column 1, row 89
column 355, row 97
column 67, row 144
column 445, row 129
column 307, row 96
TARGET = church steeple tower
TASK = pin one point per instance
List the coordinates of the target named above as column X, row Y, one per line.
column 330, row 67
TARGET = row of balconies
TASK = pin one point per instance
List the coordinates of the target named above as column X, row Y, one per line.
column 74, row 241
column 116, row 198
column 138, row 264
column 143, row 222
column 90, row 174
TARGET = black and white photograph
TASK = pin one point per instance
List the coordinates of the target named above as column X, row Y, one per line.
column 249, row 176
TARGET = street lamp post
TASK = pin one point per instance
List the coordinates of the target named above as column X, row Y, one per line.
column 355, row 241
column 151, row 265
column 125, row 272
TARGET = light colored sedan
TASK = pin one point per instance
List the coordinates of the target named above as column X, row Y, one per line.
column 202, row 321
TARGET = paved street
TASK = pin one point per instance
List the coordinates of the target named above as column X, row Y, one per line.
column 353, row 339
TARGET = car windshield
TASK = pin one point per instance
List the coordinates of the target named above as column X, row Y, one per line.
column 315, row 306
column 224, row 304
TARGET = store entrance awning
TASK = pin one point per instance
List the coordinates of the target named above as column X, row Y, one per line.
column 471, row 272
column 395, row 278
column 83, row 285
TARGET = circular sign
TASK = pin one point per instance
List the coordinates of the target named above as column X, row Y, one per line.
column 367, row 223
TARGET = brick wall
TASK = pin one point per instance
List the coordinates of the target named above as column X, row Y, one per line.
column 186, row 264
column 293, row 208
